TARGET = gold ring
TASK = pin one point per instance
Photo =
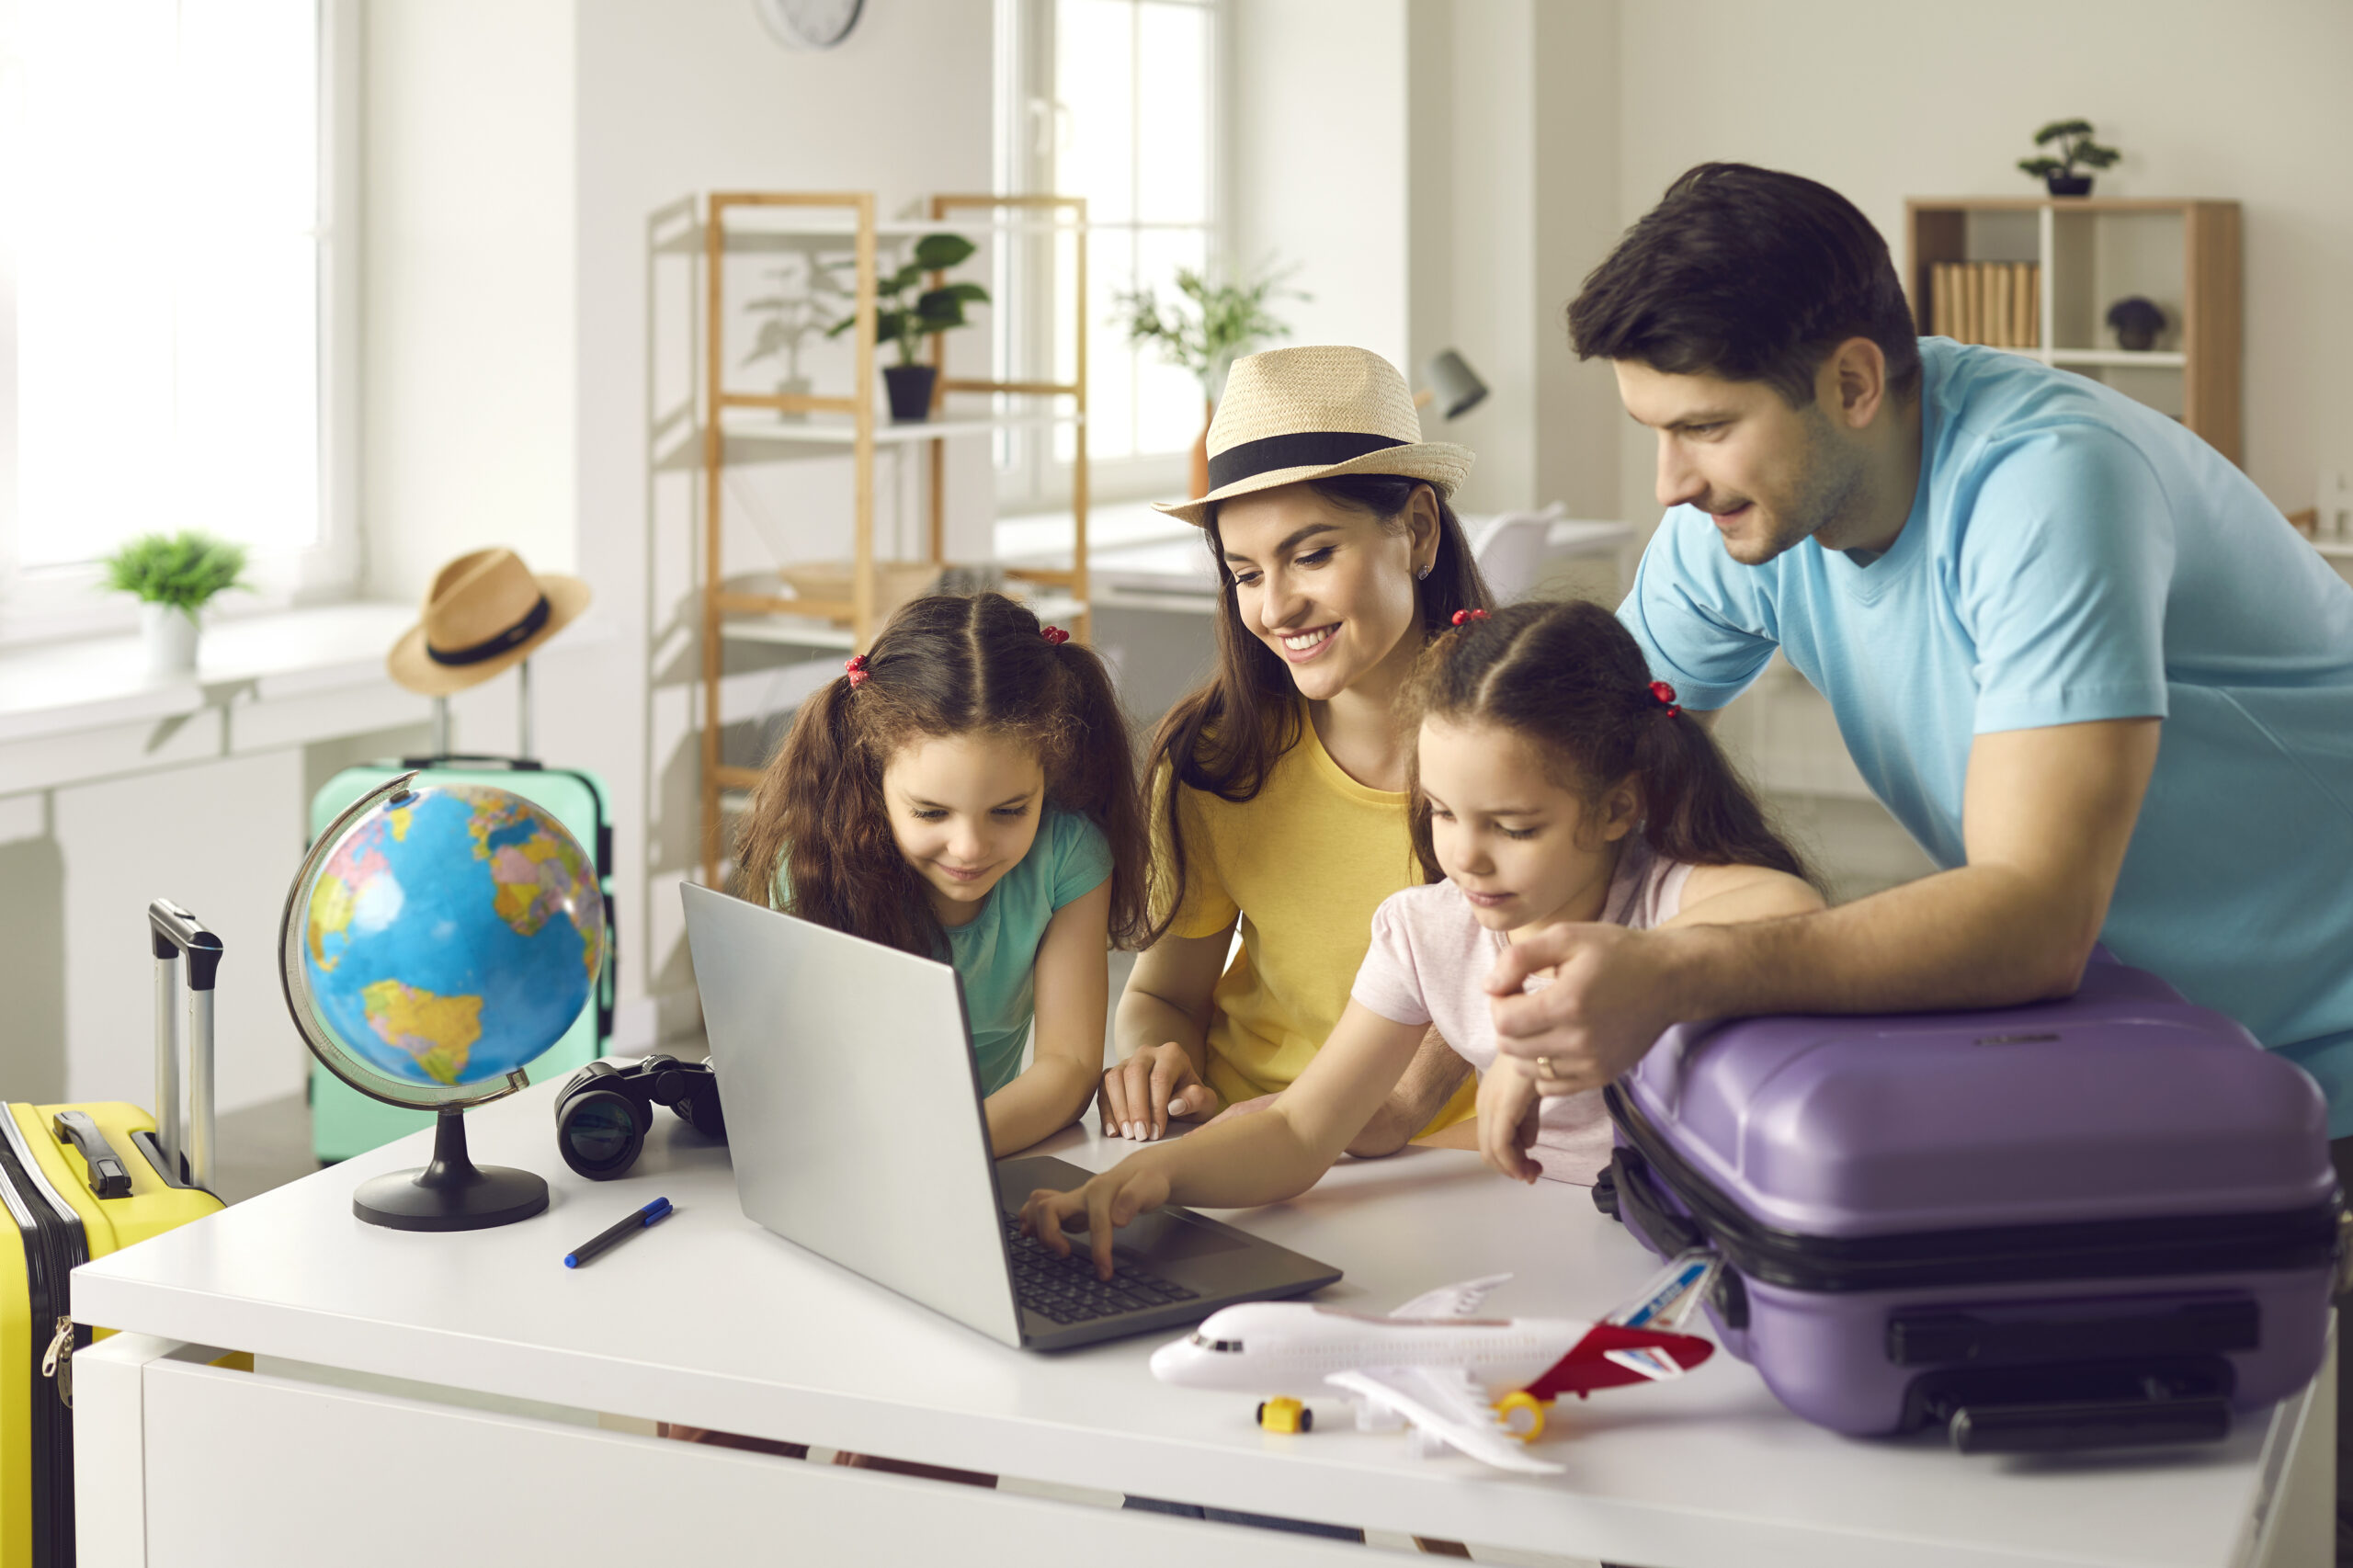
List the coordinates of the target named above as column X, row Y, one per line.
column 1544, row 1066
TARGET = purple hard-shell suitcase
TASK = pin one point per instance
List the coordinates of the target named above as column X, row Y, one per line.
column 2100, row 1221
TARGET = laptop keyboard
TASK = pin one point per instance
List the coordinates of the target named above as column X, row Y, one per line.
column 1065, row 1289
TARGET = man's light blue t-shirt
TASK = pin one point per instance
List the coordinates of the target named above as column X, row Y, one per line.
column 2073, row 555
column 995, row 954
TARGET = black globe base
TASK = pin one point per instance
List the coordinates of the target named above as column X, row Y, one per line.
column 452, row 1193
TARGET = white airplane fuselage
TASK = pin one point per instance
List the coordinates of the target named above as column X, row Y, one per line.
column 1286, row 1347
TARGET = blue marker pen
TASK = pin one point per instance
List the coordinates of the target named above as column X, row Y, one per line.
column 614, row 1235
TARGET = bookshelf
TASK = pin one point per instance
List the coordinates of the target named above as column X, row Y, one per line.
column 2085, row 252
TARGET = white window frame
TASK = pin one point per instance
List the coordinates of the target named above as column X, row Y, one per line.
column 1029, row 479
column 49, row 603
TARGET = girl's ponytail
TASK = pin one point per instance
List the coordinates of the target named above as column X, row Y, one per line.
column 1695, row 808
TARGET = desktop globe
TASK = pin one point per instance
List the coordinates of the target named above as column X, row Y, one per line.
column 436, row 940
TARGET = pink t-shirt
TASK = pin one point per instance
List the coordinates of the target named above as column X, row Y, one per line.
column 1429, row 963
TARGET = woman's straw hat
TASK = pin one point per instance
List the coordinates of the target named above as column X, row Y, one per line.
column 485, row 611
column 1290, row 414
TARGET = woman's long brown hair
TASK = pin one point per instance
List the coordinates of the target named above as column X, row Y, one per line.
column 1569, row 678
column 1225, row 736
column 947, row 664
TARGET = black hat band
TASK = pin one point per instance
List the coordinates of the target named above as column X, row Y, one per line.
column 1308, row 449
column 513, row 637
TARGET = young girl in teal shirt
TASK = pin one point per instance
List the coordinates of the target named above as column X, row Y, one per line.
column 965, row 790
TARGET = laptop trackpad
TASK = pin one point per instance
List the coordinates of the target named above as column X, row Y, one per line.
column 1168, row 1238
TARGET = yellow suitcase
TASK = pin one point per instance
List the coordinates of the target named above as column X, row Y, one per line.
column 79, row 1182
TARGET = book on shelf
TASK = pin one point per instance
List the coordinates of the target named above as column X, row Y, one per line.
column 1997, row 303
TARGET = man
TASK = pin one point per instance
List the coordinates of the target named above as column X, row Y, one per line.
column 2074, row 650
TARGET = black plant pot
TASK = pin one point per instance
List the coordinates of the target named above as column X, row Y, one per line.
column 910, row 389
column 2068, row 185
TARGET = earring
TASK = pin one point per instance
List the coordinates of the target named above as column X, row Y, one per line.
column 1422, row 574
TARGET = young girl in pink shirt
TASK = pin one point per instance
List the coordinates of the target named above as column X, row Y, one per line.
column 1552, row 781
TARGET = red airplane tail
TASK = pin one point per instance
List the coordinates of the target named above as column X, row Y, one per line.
column 1613, row 1356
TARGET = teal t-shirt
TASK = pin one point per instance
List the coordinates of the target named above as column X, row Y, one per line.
column 995, row 954
column 2073, row 555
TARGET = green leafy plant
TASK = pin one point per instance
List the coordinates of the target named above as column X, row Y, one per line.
column 2075, row 148
column 182, row 570
column 907, row 323
column 1226, row 321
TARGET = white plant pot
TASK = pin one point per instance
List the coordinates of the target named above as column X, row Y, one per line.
column 169, row 633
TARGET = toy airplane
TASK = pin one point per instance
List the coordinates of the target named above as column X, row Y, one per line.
column 1476, row 1384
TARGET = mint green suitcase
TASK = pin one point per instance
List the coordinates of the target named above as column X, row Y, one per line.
column 343, row 1121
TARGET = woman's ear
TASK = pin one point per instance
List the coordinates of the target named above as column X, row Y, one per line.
column 1422, row 528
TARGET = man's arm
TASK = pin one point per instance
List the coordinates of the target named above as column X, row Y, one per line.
column 2047, row 814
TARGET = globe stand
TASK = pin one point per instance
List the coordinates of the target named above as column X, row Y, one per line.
column 452, row 1193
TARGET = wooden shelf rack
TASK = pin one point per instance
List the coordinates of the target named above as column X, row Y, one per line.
column 851, row 420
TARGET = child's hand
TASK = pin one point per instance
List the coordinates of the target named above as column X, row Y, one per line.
column 1141, row 1093
column 1100, row 1207
column 1508, row 1104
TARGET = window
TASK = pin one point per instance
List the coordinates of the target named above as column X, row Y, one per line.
column 167, row 263
column 1114, row 100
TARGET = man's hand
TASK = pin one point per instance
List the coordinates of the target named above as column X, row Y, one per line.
column 1141, row 1093
column 1613, row 992
column 1508, row 1107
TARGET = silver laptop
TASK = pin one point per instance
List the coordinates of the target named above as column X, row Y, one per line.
column 853, row 1064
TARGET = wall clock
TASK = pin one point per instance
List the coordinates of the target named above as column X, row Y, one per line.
column 808, row 24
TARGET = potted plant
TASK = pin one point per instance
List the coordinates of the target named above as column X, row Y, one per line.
column 805, row 297
column 174, row 576
column 2076, row 147
column 1227, row 321
column 907, row 323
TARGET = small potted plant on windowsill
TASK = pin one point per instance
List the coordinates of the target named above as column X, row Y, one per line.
column 2076, row 147
column 907, row 323
column 1227, row 321
column 174, row 576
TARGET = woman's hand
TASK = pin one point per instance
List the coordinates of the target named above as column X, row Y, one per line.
column 1142, row 1093
column 1508, row 1107
column 1102, row 1206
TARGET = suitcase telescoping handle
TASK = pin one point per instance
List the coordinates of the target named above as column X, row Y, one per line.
column 176, row 931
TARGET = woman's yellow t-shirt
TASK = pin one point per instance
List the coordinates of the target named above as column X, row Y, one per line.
column 1304, row 863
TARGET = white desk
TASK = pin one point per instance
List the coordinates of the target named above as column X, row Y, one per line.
column 707, row 1320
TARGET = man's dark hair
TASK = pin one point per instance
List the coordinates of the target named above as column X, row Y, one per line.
column 1751, row 274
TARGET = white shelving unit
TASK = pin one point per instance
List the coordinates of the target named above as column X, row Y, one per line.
column 2091, row 252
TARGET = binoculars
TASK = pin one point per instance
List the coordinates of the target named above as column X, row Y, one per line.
column 602, row 1116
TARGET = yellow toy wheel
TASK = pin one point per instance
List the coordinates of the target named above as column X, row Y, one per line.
column 1283, row 1415
column 1523, row 1416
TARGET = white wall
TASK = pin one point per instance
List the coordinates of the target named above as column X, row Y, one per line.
column 1317, row 163
column 469, row 361
column 1512, row 190
column 2247, row 102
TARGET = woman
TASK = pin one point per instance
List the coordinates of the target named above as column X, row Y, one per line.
column 1279, row 785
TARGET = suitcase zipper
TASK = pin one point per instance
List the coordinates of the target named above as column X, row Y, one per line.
column 58, row 1363
column 54, row 1246
column 2106, row 1249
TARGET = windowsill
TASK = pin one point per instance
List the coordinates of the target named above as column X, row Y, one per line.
column 55, row 689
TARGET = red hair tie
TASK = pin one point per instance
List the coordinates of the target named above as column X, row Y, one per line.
column 1465, row 616
column 1055, row 634
column 1665, row 696
column 856, row 666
